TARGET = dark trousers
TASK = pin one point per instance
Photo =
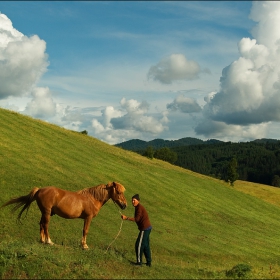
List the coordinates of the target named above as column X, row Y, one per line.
column 142, row 245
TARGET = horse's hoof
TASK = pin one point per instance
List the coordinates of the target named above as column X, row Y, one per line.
column 85, row 247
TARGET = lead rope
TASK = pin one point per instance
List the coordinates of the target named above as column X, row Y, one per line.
column 118, row 232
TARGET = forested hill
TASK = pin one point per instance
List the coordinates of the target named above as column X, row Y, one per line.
column 136, row 144
column 258, row 161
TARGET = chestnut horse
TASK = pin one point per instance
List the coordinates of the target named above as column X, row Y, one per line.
column 84, row 204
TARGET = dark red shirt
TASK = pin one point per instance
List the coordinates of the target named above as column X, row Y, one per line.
column 141, row 217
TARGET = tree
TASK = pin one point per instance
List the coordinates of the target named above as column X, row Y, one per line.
column 276, row 181
column 232, row 174
column 149, row 152
column 166, row 154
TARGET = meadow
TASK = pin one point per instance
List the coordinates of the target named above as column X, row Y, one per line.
column 202, row 227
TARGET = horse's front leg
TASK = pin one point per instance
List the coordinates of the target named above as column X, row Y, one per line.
column 87, row 222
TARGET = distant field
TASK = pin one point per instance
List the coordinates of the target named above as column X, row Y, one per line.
column 202, row 227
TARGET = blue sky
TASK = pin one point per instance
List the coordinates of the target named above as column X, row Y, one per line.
column 144, row 70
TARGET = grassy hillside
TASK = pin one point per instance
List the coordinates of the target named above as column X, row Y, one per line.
column 202, row 228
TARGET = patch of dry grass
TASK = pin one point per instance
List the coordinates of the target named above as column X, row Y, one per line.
column 267, row 193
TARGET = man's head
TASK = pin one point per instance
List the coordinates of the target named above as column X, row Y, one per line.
column 135, row 200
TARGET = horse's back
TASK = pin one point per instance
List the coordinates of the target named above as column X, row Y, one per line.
column 51, row 193
column 64, row 203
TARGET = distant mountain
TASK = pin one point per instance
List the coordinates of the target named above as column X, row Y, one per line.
column 136, row 144
column 265, row 140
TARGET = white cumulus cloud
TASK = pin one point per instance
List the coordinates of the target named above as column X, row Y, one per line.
column 173, row 68
column 184, row 105
column 131, row 120
column 22, row 60
column 136, row 119
column 249, row 91
column 42, row 104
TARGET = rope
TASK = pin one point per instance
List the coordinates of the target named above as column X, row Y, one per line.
column 118, row 232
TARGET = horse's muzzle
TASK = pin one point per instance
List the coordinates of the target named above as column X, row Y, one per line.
column 123, row 206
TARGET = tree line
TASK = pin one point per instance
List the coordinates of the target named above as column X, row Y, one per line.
column 256, row 161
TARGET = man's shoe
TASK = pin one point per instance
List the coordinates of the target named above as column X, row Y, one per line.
column 148, row 264
column 137, row 264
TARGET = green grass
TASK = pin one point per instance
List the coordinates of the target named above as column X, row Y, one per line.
column 202, row 228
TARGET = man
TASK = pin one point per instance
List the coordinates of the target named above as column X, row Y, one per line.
column 142, row 244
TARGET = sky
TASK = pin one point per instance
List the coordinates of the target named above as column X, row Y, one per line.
column 144, row 69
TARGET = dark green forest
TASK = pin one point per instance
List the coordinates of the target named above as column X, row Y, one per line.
column 257, row 161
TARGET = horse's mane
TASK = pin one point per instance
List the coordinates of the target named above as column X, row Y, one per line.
column 99, row 192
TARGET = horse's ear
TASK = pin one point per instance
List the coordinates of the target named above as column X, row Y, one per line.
column 114, row 184
column 109, row 185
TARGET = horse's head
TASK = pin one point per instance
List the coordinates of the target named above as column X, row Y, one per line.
column 117, row 194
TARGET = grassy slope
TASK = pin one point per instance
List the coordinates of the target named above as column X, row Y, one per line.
column 201, row 226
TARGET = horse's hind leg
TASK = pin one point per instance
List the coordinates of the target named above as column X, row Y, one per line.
column 42, row 232
column 44, row 229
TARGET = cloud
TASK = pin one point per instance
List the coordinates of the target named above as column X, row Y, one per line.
column 249, row 91
column 221, row 130
column 22, row 60
column 22, row 63
column 131, row 120
column 267, row 16
column 41, row 105
column 74, row 118
column 109, row 113
column 173, row 68
column 184, row 105
column 136, row 119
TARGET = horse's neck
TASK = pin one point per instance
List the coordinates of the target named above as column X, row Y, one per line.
column 100, row 194
column 102, row 200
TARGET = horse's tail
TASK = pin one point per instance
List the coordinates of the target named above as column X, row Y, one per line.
column 24, row 201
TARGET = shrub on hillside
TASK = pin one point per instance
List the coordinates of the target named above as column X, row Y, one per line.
column 276, row 181
column 240, row 271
